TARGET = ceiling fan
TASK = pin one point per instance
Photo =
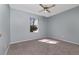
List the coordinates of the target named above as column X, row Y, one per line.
column 46, row 7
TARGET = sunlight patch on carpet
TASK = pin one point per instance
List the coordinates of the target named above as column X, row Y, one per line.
column 48, row 41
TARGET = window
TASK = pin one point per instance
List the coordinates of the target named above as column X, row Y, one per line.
column 33, row 24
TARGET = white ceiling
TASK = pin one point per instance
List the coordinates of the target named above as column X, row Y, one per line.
column 35, row 8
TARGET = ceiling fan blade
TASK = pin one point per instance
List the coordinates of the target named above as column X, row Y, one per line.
column 51, row 6
column 41, row 5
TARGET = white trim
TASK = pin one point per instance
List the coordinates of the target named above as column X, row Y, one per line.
column 46, row 37
column 64, row 40
column 20, row 41
column 7, row 50
column 25, row 40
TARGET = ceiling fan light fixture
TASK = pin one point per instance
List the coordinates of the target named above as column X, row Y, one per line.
column 45, row 11
column 46, row 7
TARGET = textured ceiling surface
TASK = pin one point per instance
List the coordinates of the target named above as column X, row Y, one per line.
column 36, row 8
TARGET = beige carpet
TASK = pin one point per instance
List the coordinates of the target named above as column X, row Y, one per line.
column 35, row 47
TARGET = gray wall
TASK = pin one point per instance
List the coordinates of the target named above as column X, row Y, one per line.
column 4, row 28
column 65, row 26
column 20, row 26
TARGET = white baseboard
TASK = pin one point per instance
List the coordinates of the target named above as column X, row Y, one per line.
column 55, row 37
column 25, row 40
column 62, row 39
column 7, row 50
column 21, row 41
